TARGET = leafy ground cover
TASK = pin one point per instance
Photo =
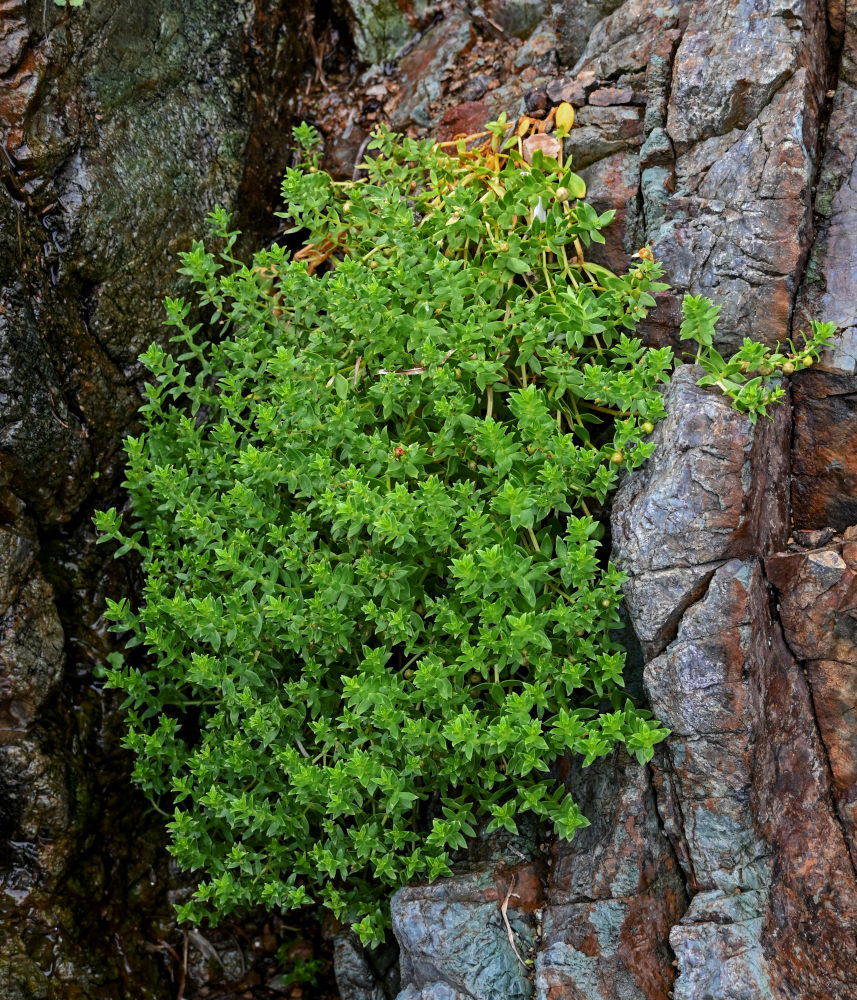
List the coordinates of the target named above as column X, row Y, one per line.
column 375, row 607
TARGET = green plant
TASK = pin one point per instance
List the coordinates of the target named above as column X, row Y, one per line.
column 750, row 378
column 375, row 607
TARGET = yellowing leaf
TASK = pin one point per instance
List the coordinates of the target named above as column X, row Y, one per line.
column 564, row 117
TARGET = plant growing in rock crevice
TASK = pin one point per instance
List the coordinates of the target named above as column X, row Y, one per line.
column 374, row 603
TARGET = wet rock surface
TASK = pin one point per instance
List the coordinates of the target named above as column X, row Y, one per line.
column 122, row 126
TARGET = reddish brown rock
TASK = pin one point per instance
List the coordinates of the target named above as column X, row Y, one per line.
column 606, row 96
column 420, row 71
column 614, row 183
column 463, row 119
column 810, row 936
column 824, row 458
column 817, row 595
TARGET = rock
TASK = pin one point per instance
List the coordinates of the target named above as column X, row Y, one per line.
column 380, row 28
column 518, row 18
column 715, row 489
column 620, row 45
column 600, row 915
column 363, row 974
column 729, row 64
column 434, row 991
column 750, row 773
column 451, row 934
column 817, row 594
column 541, row 142
column 699, row 689
column 614, row 892
column 123, row 126
column 606, row 96
column 536, row 101
column 601, row 132
column 31, row 654
column 718, row 947
column 613, row 183
column 845, row 21
column 421, row 70
column 475, row 88
column 342, row 153
column 462, row 120
column 537, row 57
column 829, row 290
column 824, row 463
column 573, row 89
column 743, row 118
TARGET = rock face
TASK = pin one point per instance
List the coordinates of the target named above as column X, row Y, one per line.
column 725, row 869
column 715, row 477
column 122, row 126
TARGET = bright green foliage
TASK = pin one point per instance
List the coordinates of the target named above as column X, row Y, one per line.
column 750, row 377
column 375, row 605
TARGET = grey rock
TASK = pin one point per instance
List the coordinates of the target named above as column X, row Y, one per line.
column 748, row 88
column 731, row 60
column 355, row 976
column 657, row 149
column 614, row 892
column 716, row 488
column 434, row 991
column 718, row 948
column 699, row 689
column 600, row 132
column 660, row 597
column 829, row 290
column 452, row 933
column 620, row 45
column 575, row 22
column 518, row 18
column 366, row 973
